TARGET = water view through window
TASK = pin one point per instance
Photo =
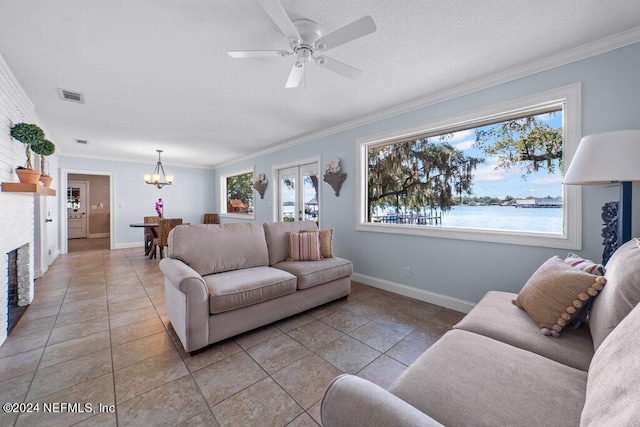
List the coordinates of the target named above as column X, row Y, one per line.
column 505, row 174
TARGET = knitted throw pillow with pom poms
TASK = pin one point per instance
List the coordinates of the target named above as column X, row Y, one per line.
column 555, row 294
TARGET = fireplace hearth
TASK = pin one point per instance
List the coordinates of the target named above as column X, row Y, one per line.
column 18, row 285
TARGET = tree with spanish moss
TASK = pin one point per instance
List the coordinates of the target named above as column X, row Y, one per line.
column 418, row 174
column 526, row 142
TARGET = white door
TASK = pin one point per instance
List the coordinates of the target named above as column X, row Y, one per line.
column 298, row 193
column 77, row 209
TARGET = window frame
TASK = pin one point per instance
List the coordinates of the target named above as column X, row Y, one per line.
column 223, row 194
column 571, row 238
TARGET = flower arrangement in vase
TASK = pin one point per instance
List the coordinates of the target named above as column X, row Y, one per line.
column 159, row 207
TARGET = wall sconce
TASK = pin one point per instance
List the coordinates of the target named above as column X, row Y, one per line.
column 260, row 185
column 334, row 177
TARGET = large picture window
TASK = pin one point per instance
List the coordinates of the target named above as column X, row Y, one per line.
column 237, row 191
column 494, row 177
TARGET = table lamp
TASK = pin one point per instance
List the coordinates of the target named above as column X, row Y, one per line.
column 610, row 157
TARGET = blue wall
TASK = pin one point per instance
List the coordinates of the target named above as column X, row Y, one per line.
column 190, row 196
column 459, row 269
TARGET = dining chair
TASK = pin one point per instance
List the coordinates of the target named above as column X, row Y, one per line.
column 165, row 226
column 210, row 218
column 148, row 233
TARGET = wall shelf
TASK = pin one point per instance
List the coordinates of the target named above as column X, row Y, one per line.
column 18, row 187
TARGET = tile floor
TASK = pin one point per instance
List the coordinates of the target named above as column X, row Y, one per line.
column 97, row 333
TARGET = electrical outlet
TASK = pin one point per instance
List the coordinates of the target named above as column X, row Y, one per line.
column 407, row 271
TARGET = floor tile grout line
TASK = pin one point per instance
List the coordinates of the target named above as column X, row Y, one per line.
column 44, row 349
column 184, row 356
column 189, row 372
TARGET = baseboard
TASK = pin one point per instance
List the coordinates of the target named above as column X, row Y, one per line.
column 38, row 272
column 98, row 235
column 129, row 245
column 419, row 294
column 54, row 255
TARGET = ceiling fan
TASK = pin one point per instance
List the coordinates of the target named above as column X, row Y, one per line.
column 305, row 39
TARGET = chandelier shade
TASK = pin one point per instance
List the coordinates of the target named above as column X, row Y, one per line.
column 158, row 178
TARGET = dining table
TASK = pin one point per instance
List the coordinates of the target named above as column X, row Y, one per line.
column 152, row 228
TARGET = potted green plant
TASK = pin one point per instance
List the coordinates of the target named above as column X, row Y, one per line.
column 44, row 148
column 29, row 134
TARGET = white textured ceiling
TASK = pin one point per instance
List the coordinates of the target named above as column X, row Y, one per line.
column 155, row 73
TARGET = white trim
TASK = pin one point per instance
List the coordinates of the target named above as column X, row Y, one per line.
column 238, row 215
column 223, row 194
column 579, row 53
column 62, row 201
column 98, row 235
column 572, row 237
column 53, row 256
column 129, row 245
column 415, row 293
column 275, row 179
column 130, row 160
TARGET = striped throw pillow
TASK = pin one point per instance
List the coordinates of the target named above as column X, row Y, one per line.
column 326, row 242
column 584, row 264
column 304, row 246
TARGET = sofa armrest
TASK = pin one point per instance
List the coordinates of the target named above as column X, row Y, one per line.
column 353, row 401
column 183, row 277
column 187, row 303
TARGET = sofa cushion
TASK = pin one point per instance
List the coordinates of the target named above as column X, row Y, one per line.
column 239, row 288
column 466, row 379
column 216, row 248
column 304, row 246
column 613, row 389
column 277, row 241
column 312, row 273
column 496, row 317
column 621, row 294
column 556, row 293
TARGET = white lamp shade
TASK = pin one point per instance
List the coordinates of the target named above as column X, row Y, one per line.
column 606, row 157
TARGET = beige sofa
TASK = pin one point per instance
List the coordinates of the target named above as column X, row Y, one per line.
column 222, row 280
column 495, row 368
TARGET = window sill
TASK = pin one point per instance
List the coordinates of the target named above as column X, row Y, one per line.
column 238, row 216
column 547, row 240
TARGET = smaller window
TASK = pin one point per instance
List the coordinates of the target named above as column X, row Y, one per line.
column 237, row 194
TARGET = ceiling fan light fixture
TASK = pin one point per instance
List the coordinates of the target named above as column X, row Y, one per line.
column 305, row 37
column 304, row 55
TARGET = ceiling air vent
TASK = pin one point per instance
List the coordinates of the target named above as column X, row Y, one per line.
column 82, row 141
column 68, row 95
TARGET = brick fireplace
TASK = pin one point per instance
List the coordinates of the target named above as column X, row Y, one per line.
column 17, row 211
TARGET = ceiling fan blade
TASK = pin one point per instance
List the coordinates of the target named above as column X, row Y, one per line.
column 338, row 67
column 277, row 13
column 240, row 54
column 356, row 29
column 295, row 76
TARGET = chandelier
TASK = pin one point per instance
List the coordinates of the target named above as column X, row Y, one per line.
column 159, row 178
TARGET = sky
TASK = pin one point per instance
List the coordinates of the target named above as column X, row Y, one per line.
column 500, row 183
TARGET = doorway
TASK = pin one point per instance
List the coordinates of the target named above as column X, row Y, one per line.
column 87, row 210
column 297, row 196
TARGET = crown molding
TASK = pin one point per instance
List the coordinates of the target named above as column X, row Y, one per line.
column 121, row 160
column 585, row 51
